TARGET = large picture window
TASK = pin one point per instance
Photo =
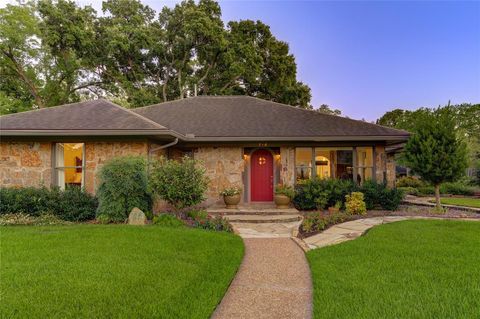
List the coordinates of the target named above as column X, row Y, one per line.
column 69, row 164
column 303, row 163
column 364, row 164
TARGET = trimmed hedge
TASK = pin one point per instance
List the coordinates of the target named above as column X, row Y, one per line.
column 73, row 204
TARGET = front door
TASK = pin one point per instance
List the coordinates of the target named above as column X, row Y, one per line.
column 261, row 176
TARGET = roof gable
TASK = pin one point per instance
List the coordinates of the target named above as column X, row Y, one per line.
column 249, row 117
column 87, row 116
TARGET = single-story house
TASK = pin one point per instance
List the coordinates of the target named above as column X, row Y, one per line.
column 241, row 140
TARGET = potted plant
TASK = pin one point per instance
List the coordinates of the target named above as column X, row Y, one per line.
column 335, row 208
column 283, row 195
column 231, row 196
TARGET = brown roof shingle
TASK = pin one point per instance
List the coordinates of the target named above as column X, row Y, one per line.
column 247, row 117
column 89, row 115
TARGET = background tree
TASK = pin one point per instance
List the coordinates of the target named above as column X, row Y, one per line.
column 324, row 108
column 435, row 152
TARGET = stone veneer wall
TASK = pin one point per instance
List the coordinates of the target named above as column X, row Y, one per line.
column 287, row 165
column 224, row 167
column 391, row 171
column 96, row 153
column 25, row 164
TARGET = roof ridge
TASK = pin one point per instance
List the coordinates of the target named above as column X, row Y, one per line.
column 137, row 115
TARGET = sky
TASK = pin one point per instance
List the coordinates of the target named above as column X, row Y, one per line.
column 369, row 57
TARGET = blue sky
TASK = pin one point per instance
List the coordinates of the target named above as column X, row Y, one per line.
column 368, row 57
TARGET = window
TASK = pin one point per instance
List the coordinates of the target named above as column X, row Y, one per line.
column 69, row 164
column 303, row 163
column 364, row 164
column 334, row 162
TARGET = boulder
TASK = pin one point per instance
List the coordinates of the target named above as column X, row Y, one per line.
column 137, row 217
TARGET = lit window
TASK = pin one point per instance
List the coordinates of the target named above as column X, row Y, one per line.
column 364, row 164
column 303, row 163
column 69, row 164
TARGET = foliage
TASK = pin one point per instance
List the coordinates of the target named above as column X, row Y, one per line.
column 315, row 222
column 409, row 190
column 73, row 204
column 286, row 190
column 201, row 219
column 123, row 186
column 379, row 195
column 321, row 193
column 62, row 263
column 390, row 198
column 457, row 189
column 393, row 259
column 324, row 108
column 409, row 181
column 54, row 52
column 354, row 204
column 435, row 152
column 182, row 183
column 230, row 191
column 25, row 219
column 167, row 220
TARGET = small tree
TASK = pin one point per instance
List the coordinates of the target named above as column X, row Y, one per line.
column 123, row 186
column 180, row 183
column 435, row 151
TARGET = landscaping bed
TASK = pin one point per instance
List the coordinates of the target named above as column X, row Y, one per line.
column 92, row 271
column 408, row 269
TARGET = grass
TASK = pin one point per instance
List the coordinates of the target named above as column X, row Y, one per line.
column 114, row 271
column 409, row 269
column 461, row 201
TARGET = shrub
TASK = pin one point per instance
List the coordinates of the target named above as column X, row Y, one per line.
column 354, row 204
column 73, row 204
column 25, row 219
column 426, row 190
column 457, row 189
column 167, row 220
column 409, row 190
column 285, row 190
column 390, row 198
column 180, row 183
column 315, row 222
column 410, row 181
column 123, row 186
column 201, row 219
column 321, row 193
column 231, row 191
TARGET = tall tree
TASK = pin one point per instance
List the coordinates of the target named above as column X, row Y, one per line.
column 324, row 108
column 435, row 151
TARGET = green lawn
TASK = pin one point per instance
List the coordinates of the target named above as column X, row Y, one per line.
column 114, row 271
column 470, row 202
column 409, row 269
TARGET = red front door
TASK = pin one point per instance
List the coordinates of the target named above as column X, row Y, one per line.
column 261, row 176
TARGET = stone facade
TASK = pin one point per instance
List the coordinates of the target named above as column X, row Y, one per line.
column 391, row 172
column 25, row 164
column 224, row 167
column 96, row 153
column 287, row 165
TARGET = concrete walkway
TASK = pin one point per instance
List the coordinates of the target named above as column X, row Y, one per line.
column 353, row 229
column 273, row 282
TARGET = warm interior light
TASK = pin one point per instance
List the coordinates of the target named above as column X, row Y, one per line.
column 245, row 156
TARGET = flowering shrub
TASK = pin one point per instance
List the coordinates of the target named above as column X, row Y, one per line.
column 354, row 204
column 201, row 219
column 231, row 191
column 25, row 219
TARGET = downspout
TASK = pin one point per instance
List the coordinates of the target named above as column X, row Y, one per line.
column 161, row 147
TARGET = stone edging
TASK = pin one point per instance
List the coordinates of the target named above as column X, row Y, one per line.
column 353, row 229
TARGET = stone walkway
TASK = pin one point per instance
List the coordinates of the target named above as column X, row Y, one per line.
column 273, row 282
column 354, row 229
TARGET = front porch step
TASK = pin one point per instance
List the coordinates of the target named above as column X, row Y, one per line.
column 256, row 219
column 252, row 211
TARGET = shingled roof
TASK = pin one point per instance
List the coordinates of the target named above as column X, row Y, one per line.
column 249, row 118
column 97, row 117
column 204, row 118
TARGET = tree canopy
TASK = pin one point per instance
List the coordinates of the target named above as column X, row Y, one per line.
column 436, row 152
column 55, row 52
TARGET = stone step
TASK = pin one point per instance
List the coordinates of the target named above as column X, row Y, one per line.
column 259, row 212
column 263, row 218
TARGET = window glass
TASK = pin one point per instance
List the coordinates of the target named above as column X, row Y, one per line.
column 303, row 163
column 334, row 162
column 69, row 164
column 364, row 164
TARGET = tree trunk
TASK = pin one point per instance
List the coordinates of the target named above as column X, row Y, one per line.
column 437, row 196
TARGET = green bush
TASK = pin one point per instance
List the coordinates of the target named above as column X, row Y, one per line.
column 321, row 193
column 410, row 181
column 457, row 189
column 315, row 222
column 123, row 186
column 285, row 190
column 390, row 198
column 182, row 183
column 167, row 220
column 354, row 204
column 73, row 204
column 426, row 190
column 201, row 219
column 379, row 195
column 409, row 190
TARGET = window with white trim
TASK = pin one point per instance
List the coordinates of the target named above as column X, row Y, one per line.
column 69, row 164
